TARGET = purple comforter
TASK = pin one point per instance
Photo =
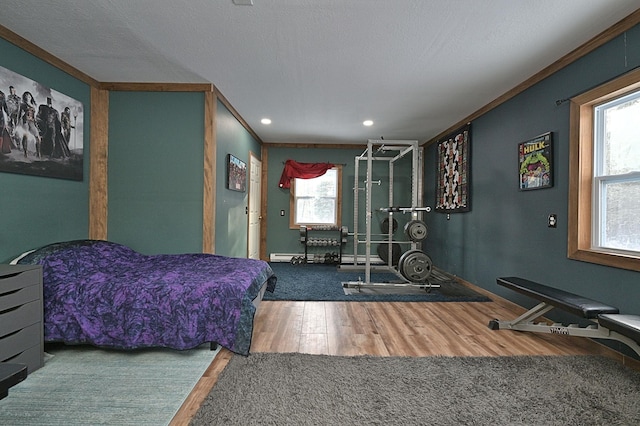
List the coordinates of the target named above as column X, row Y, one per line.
column 107, row 294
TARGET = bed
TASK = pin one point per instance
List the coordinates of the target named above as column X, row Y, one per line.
column 108, row 295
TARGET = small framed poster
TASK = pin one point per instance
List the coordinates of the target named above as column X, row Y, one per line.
column 535, row 162
column 236, row 174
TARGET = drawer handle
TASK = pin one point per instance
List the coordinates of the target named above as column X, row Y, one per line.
column 10, row 292
column 11, row 275
column 11, row 334
column 10, row 309
column 13, row 357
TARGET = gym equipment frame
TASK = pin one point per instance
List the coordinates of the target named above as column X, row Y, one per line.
column 414, row 266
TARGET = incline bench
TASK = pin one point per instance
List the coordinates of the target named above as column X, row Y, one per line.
column 609, row 323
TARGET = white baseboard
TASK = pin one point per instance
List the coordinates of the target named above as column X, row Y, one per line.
column 346, row 258
column 281, row 257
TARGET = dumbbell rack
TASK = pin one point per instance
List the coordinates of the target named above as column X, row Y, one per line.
column 323, row 241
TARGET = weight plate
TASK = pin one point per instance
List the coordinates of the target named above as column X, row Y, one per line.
column 416, row 230
column 384, row 225
column 383, row 253
column 415, row 266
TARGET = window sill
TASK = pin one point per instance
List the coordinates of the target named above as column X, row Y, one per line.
column 623, row 261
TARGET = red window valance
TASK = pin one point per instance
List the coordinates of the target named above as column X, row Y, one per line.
column 293, row 169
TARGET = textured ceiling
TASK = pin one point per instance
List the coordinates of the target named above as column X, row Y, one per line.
column 318, row 68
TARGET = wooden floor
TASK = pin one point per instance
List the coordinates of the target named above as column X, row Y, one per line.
column 391, row 329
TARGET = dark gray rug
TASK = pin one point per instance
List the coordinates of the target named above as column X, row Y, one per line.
column 321, row 282
column 300, row 389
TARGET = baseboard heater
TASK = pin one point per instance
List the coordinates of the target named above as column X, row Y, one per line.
column 346, row 259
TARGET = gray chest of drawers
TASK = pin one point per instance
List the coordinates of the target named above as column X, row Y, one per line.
column 21, row 327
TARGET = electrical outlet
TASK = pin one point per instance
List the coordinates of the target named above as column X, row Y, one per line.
column 553, row 221
column 281, row 212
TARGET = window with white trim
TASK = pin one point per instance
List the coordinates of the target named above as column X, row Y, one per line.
column 604, row 174
column 616, row 178
column 317, row 201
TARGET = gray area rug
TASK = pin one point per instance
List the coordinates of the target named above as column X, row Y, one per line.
column 300, row 389
column 83, row 385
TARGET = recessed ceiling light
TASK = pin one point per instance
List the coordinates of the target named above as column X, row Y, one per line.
column 265, row 121
column 367, row 123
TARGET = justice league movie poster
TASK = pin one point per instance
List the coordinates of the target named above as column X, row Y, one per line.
column 40, row 129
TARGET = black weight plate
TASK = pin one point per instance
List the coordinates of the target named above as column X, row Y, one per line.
column 384, row 225
column 383, row 252
column 416, row 230
column 415, row 266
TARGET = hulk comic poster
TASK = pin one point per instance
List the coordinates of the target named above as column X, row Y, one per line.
column 535, row 162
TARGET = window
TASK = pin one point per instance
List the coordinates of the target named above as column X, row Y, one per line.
column 317, row 201
column 617, row 174
column 604, row 185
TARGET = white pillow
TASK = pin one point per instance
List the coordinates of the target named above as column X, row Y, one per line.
column 17, row 259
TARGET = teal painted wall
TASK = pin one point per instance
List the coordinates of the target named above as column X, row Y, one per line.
column 155, row 176
column 39, row 210
column 506, row 231
column 231, row 217
column 281, row 239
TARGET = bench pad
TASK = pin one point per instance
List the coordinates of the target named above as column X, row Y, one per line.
column 577, row 305
column 627, row 325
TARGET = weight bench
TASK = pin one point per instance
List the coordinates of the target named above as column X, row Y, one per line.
column 608, row 322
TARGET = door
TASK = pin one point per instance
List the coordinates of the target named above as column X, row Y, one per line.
column 255, row 191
